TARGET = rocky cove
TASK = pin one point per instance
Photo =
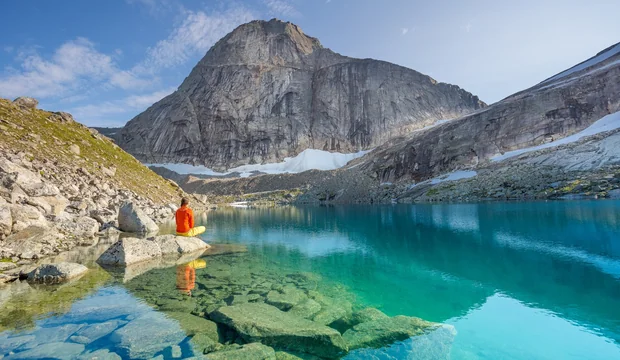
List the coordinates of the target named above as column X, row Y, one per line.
column 75, row 232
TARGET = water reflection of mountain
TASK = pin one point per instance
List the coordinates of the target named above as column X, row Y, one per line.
column 564, row 257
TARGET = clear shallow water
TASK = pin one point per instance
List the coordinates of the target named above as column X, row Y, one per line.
column 517, row 280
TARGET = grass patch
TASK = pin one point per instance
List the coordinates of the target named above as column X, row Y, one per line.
column 432, row 192
column 96, row 151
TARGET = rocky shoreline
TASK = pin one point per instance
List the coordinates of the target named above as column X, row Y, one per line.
column 63, row 185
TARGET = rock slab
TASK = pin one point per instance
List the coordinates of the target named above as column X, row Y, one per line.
column 57, row 273
column 129, row 251
column 257, row 322
column 386, row 331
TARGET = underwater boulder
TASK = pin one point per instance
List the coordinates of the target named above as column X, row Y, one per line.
column 258, row 322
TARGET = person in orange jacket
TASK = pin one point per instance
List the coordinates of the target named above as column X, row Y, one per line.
column 185, row 221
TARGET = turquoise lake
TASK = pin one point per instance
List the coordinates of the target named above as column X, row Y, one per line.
column 537, row 280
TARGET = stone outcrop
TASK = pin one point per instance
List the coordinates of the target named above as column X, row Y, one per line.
column 132, row 219
column 270, row 326
column 26, row 102
column 130, row 251
column 57, row 273
column 267, row 91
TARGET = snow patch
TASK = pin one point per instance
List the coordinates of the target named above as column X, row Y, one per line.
column 586, row 64
column 309, row 159
column 453, row 176
column 607, row 123
column 239, row 204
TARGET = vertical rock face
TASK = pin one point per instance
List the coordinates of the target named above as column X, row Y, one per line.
column 560, row 106
column 267, row 91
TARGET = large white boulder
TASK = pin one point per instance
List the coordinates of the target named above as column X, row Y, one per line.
column 57, row 273
column 176, row 245
column 34, row 242
column 133, row 219
column 25, row 216
column 57, row 204
column 128, row 251
column 81, row 227
column 6, row 220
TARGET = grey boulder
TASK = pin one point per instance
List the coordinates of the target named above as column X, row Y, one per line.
column 133, row 219
column 57, row 273
column 128, row 251
column 26, row 102
column 175, row 245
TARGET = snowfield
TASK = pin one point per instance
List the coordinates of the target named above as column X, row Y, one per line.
column 607, row 123
column 309, row 159
column 586, row 64
column 453, row 176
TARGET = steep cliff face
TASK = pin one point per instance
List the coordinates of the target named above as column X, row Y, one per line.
column 267, row 91
column 557, row 107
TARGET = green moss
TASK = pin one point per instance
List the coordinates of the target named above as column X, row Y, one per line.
column 6, row 260
column 432, row 192
column 570, row 187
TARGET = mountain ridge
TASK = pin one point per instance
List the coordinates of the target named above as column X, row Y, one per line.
column 259, row 96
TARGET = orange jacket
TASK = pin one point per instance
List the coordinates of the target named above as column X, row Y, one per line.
column 185, row 219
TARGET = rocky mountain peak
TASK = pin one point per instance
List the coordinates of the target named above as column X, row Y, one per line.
column 267, row 91
column 262, row 42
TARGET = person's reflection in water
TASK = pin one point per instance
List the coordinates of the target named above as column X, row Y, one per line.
column 186, row 276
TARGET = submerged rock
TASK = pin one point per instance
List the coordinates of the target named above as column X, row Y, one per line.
column 285, row 298
column 133, row 219
column 130, row 251
column 60, row 350
column 332, row 309
column 98, row 330
column 193, row 325
column 204, row 344
column 382, row 332
column 254, row 351
column 267, row 324
column 366, row 315
column 306, row 309
column 57, row 273
column 147, row 335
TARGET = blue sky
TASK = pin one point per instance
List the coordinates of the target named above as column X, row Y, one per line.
column 106, row 61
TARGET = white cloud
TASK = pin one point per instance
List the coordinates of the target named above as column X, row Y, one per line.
column 9, row 49
column 154, row 7
column 468, row 27
column 71, row 66
column 281, row 7
column 195, row 35
column 146, row 100
column 93, row 112
column 404, row 31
